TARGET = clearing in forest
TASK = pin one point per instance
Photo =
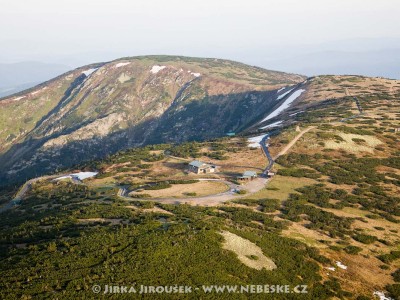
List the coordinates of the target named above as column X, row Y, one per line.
column 248, row 253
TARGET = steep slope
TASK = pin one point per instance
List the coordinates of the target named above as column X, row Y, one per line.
column 332, row 209
column 342, row 93
column 99, row 109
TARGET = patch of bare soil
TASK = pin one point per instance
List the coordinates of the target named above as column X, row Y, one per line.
column 158, row 210
column 248, row 253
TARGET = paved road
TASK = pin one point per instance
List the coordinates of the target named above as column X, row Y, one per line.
column 211, row 200
column 123, row 192
column 264, row 147
column 24, row 189
column 271, row 160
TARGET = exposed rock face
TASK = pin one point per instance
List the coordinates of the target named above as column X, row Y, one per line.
column 102, row 108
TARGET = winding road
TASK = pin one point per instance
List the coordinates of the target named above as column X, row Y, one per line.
column 271, row 160
column 264, row 147
column 212, row 200
column 24, row 189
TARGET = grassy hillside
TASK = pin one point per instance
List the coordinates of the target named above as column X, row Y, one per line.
column 81, row 235
column 99, row 109
column 329, row 218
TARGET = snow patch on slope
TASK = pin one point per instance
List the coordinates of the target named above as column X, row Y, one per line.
column 341, row 265
column 119, row 65
column 194, row 74
column 381, row 296
column 88, row 72
column 18, row 98
column 156, row 69
column 254, row 142
column 80, row 175
column 284, row 94
column 296, row 113
column 272, row 125
column 284, row 105
column 38, row 91
column 281, row 89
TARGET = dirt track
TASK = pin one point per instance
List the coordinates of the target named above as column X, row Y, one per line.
column 251, row 187
column 291, row 144
column 23, row 190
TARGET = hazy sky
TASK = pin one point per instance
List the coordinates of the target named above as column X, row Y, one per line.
column 178, row 26
column 43, row 29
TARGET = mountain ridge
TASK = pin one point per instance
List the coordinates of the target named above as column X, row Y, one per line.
column 99, row 109
column 129, row 102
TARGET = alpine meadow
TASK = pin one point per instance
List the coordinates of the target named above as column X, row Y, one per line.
column 182, row 177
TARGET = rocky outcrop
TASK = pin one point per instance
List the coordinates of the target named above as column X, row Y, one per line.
column 98, row 109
